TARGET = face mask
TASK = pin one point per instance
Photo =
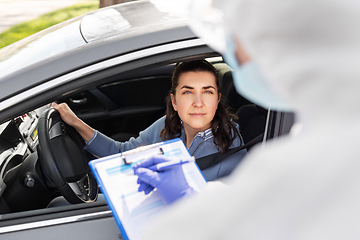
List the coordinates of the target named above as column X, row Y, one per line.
column 250, row 83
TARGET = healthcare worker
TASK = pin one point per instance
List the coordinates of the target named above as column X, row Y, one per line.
column 303, row 186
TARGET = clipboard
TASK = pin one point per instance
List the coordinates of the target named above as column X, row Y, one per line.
column 133, row 211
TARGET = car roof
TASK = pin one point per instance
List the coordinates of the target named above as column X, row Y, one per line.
column 88, row 39
column 130, row 19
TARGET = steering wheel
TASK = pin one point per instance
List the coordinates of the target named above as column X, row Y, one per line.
column 63, row 160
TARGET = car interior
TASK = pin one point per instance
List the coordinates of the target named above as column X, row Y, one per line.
column 117, row 108
column 120, row 106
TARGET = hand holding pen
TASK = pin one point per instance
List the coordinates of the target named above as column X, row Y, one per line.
column 165, row 175
column 170, row 164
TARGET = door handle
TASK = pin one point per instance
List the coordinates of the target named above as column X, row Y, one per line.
column 78, row 101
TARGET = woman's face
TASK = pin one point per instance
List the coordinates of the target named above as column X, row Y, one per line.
column 196, row 100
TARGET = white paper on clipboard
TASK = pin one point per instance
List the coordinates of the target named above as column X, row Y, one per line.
column 133, row 210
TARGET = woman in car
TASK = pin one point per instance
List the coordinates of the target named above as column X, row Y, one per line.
column 194, row 113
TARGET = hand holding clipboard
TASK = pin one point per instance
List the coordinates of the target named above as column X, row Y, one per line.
column 133, row 210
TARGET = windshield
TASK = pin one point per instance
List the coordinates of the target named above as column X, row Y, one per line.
column 47, row 43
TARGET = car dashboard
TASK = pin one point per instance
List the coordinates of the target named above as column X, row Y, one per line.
column 18, row 138
column 18, row 143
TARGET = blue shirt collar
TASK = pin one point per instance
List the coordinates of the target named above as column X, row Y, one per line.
column 205, row 135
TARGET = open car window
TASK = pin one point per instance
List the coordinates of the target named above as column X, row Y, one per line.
column 119, row 106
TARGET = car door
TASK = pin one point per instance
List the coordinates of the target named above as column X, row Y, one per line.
column 93, row 94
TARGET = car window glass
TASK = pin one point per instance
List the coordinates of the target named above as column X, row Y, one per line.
column 40, row 46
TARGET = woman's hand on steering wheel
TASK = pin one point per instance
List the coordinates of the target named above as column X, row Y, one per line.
column 70, row 118
column 67, row 115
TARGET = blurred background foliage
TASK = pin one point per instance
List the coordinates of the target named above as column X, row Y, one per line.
column 28, row 28
column 105, row 3
column 25, row 29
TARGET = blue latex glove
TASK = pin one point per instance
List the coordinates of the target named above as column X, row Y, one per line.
column 171, row 183
column 144, row 187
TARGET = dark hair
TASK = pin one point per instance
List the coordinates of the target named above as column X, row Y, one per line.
column 222, row 127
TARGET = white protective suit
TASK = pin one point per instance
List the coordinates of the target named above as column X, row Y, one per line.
column 305, row 186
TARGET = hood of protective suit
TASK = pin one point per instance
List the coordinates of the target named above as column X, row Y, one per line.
column 308, row 50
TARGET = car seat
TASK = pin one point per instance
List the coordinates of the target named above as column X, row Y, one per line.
column 251, row 118
column 231, row 98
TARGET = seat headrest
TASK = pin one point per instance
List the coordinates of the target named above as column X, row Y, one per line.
column 228, row 91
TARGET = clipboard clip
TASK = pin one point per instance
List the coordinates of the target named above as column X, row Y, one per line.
column 140, row 153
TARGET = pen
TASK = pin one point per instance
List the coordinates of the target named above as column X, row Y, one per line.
column 170, row 164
